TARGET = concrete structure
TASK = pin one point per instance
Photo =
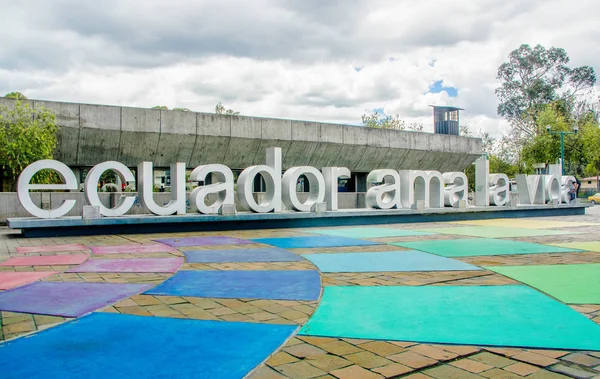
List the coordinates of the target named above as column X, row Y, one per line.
column 38, row 227
column 11, row 208
column 446, row 120
column 90, row 134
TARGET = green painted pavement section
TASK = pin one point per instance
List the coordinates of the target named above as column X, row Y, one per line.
column 586, row 246
column 496, row 231
column 509, row 316
column 480, row 246
column 572, row 284
column 369, row 232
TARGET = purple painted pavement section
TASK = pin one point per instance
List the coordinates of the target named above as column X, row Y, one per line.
column 51, row 248
column 130, row 265
column 66, row 299
column 204, row 241
column 135, row 248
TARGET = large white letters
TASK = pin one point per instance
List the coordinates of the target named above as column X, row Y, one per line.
column 91, row 188
column 223, row 189
column 331, row 176
column 271, row 173
column 386, row 188
column 531, row 189
column 386, row 195
column 456, row 188
column 23, row 187
column 316, row 192
column 422, row 185
column 146, row 187
column 482, row 179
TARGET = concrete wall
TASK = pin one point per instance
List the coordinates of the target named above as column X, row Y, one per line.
column 10, row 206
column 90, row 134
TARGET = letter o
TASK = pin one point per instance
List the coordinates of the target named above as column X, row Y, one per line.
column 316, row 185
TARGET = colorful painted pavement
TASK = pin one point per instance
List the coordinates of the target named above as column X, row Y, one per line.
column 471, row 299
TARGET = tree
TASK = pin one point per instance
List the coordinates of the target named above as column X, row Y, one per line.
column 535, row 77
column 220, row 109
column 581, row 149
column 15, row 95
column 26, row 135
column 161, row 107
column 181, row 109
column 376, row 120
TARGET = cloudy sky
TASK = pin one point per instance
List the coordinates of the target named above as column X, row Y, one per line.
column 303, row 59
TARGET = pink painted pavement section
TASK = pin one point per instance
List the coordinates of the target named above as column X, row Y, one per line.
column 10, row 280
column 130, row 265
column 135, row 248
column 48, row 260
column 51, row 248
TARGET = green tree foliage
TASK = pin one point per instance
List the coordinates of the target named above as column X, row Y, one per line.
column 535, row 77
column 492, row 148
column 15, row 95
column 161, row 107
column 220, row 109
column 376, row 120
column 582, row 152
column 26, row 135
column 181, row 109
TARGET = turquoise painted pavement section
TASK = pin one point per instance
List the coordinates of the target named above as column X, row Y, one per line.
column 107, row 345
column 369, row 232
column 497, row 231
column 313, row 241
column 510, row 316
column 397, row 261
column 481, row 246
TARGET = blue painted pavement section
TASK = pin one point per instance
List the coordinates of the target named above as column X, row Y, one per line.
column 313, row 241
column 106, row 345
column 510, row 316
column 271, row 285
column 272, row 254
column 386, row 261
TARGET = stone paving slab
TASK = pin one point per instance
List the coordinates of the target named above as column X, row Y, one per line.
column 243, row 310
column 463, row 278
column 51, row 248
column 14, row 324
column 532, row 259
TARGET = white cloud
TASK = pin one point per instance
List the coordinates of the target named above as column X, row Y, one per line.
column 283, row 58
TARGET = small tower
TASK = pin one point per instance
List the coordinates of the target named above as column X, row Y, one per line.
column 446, row 120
